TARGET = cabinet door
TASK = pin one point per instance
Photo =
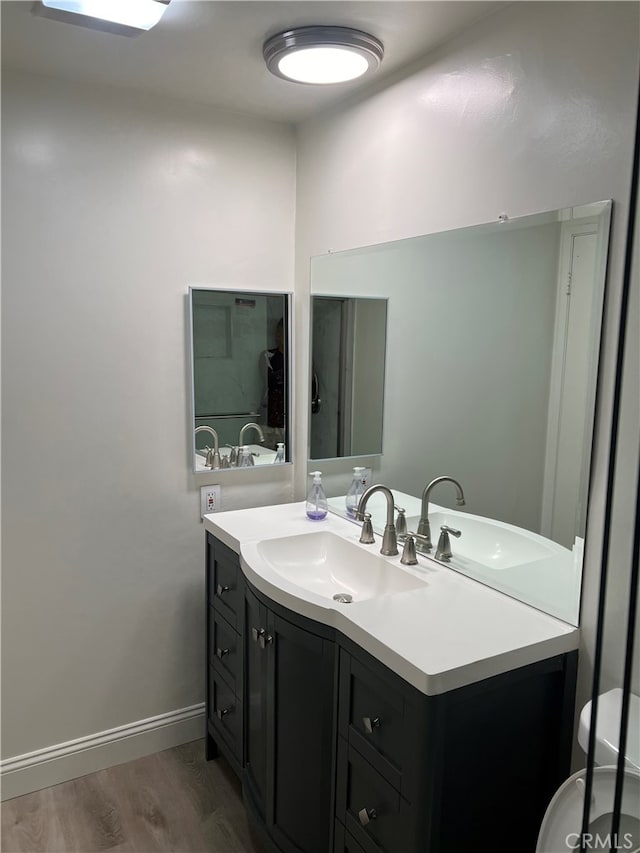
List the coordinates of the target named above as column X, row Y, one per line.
column 256, row 655
column 301, row 711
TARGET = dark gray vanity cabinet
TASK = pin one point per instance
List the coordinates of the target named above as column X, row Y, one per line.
column 338, row 754
column 256, row 722
column 290, row 705
column 225, row 651
column 271, row 706
column 451, row 773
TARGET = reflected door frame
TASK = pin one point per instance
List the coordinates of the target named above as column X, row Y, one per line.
column 579, row 299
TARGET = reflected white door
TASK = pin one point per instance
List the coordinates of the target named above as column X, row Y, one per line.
column 574, row 365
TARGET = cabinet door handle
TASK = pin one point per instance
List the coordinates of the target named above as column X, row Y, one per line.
column 371, row 724
column 222, row 652
column 257, row 634
column 222, row 712
column 365, row 815
column 220, row 589
column 264, row 640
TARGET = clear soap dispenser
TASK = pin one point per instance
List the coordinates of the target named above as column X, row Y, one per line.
column 317, row 505
column 356, row 490
column 279, row 453
column 245, row 457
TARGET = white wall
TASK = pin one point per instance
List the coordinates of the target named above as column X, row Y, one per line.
column 117, row 203
column 532, row 109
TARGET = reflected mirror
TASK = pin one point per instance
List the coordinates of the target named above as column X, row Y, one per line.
column 491, row 364
column 239, row 378
column 347, row 386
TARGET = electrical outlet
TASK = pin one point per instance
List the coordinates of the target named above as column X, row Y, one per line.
column 209, row 499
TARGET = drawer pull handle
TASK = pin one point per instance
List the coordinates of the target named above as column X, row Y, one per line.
column 366, row 815
column 220, row 589
column 222, row 712
column 371, row 724
column 222, row 652
column 261, row 637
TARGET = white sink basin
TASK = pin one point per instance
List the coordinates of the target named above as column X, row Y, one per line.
column 329, row 565
column 491, row 544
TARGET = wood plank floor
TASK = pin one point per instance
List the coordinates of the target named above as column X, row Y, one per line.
column 173, row 801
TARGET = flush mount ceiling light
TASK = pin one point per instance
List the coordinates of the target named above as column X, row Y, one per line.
column 126, row 17
column 322, row 55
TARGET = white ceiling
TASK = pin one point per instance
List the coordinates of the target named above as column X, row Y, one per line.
column 211, row 52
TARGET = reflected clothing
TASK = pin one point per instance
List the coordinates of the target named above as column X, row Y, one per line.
column 276, row 387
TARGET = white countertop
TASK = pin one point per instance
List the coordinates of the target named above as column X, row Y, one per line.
column 448, row 633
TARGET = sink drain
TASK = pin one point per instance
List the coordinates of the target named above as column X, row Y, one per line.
column 343, row 598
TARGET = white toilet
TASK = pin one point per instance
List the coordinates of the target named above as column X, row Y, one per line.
column 562, row 824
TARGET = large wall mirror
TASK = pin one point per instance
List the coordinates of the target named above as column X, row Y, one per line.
column 240, row 388
column 491, row 364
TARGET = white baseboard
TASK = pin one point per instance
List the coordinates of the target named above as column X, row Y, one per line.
column 61, row 762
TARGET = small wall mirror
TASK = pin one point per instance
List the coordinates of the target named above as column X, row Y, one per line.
column 240, row 388
column 347, row 385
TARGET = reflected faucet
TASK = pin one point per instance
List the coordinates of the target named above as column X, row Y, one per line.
column 236, row 453
column 389, row 541
column 424, row 528
column 258, row 429
column 213, row 457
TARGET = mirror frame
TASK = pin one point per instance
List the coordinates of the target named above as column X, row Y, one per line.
column 287, row 296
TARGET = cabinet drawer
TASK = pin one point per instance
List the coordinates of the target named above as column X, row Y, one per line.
column 372, row 717
column 370, row 808
column 225, row 589
column 225, row 711
column 225, row 650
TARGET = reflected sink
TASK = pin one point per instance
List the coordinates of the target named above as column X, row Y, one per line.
column 329, row 565
column 491, row 544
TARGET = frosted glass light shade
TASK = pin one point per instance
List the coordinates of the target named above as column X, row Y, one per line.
column 139, row 14
column 322, row 55
column 322, row 65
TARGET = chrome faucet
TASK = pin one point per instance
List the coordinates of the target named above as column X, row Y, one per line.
column 235, row 457
column 424, row 529
column 213, row 456
column 258, row 429
column 389, row 541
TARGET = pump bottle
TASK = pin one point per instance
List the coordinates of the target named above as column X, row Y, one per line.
column 317, row 505
column 356, row 490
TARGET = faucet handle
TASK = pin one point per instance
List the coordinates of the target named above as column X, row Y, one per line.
column 409, row 557
column 443, row 551
column 418, row 536
column 401, row 521
column 366, row 534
